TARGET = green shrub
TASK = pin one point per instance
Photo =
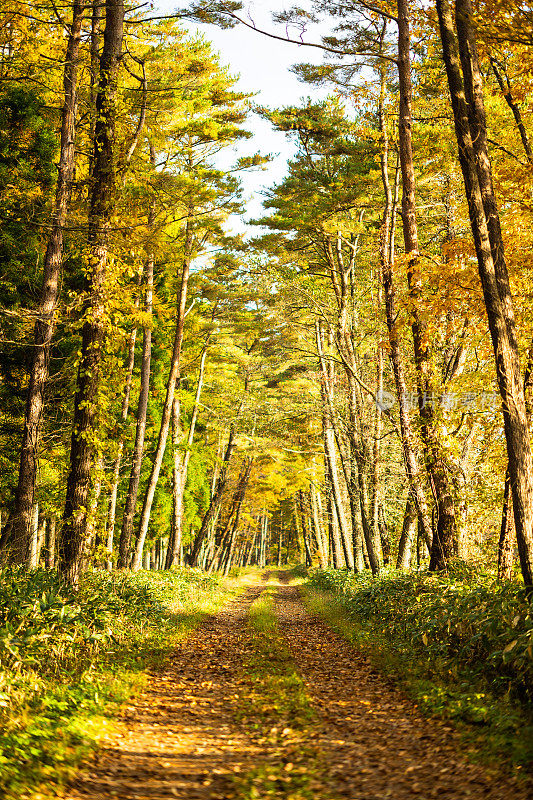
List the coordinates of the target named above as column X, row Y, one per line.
column 484, row 626
column 65, row 655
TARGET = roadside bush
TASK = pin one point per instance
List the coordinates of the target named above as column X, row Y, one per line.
column 478, row 624
column 66, row 655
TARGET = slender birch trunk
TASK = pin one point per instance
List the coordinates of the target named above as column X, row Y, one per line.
column 50, row 543
column 111, row 512
column 140, row 428
column 169, row 397
column 408, row 535
column 180, row 469
column 329, row 445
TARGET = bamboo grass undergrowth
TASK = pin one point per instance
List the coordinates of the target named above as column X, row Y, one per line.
column 68, row 660
column 494, row 725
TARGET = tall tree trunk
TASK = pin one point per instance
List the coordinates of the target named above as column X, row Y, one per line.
column 376, row 450
column 88, row 383
column 249, row 553
column 329, row 445
column 411, row 461
column 443, row 543
column 111, row 511
column 173, row 379
column 384, row 535
column 466, row 90
column 140, row 428
column 34, row 538
column 180, row 469
column 243, row 485
column 50, row 543
column 216, row 499
column 317, row 524
column 19, row 524
column 305, row 529
column 336, row 546
column 507, row 534
column 174, row 540
column 407, row 537
column 91, row 534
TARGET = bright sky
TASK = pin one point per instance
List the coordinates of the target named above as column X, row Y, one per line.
column 264, row 68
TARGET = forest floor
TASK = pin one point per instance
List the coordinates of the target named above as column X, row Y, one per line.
column 264, row 700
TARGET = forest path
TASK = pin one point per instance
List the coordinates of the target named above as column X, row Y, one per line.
column 180, row 738
column 191, row 734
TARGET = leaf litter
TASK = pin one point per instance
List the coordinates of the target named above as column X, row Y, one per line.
column 188, row 736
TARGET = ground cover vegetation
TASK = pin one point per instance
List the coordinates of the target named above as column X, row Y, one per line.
column 348, row 386
column 461, row 647
column 69, row 659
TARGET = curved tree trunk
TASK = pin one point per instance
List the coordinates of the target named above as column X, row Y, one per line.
column 173, row 379
column 214, row 503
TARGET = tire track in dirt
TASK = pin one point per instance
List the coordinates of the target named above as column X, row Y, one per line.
column 180, row 738
column 375, row 742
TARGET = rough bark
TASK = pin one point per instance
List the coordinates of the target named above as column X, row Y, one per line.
column 19, row 523
column 464, row 81
column 407, row 536
column 101, row 208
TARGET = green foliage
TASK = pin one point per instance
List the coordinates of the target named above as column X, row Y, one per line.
column 67, row 657
column 27, row 149
column 485, row 626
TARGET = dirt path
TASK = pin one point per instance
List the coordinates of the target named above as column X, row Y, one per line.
column 182, row 737
column 376, row 743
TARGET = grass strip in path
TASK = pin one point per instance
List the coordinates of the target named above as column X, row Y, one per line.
column 277, row 712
